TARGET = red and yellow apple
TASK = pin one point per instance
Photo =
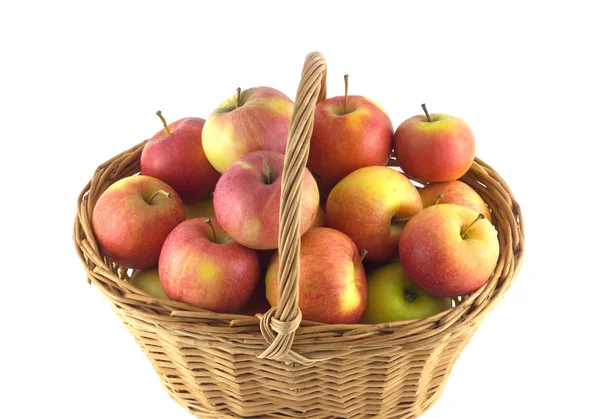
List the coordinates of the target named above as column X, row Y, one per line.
column 349, row 132
column 332, row 287
column 200, row 264
column 250, row 120
column 393, row 297
column 247, row 199
column 175, row 156
column 132, row 219
column 434, row 148
column 448, row 250
column 454, row 192
column 148, row 281
column 371, row 205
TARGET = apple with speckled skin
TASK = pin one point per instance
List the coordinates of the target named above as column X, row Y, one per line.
column 332, row 287
column 454, row 192
column 371, row 205
column 349, row 132
column 449, row 250
column 393, row 297
column 247, row 199
column 250, row 120
column 434, row 148
column 200, row 264
column 132, row 219
column 148, row 281
column 175, row 156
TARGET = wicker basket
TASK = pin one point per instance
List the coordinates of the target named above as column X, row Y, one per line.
column 230, row 366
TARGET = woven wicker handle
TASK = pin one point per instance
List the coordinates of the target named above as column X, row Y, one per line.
column 278, row 325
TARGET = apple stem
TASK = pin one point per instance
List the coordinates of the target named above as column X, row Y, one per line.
column 212, row 228
column 363, row 253
column 162, row 118
column 268, row 172
column 239, row 97
column 345, row 93
column 426, row 113
column 464, row 233
column 438, row 199
column 160, row 191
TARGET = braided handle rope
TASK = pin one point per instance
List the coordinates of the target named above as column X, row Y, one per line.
column 279, row 324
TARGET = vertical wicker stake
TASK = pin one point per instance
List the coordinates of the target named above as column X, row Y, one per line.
column 279, row 324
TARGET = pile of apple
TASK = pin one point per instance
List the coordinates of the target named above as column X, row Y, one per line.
column 200, row 223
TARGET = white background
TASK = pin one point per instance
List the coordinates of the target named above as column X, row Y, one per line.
column 81, row 81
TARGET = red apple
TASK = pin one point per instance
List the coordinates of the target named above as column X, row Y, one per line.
column 454, row 192
column 448, row 250
column 175, row 156
column 200, row 264
column 434, row 148
column 132, row 219
column 332, row 286
column 371, row 205
column 349, row 132
column 247, row 199
column 250, row 120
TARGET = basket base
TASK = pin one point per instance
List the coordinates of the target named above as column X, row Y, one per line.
column 398, row 400
column 404, row 410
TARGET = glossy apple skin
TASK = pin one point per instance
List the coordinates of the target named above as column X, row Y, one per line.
column 363, row 204
column 130, row 230
column 438, row 260
column 148, row 281
column 261, row 122
column 437, row 151
column 343, row 142
column 218, row 276
column 331, row 288
column 455, row 192
column 202, row 209
column 387, row 302
column 248, row 208
column 178, row 159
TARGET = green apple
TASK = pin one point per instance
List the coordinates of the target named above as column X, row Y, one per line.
column 391, row 297
column 147, row 280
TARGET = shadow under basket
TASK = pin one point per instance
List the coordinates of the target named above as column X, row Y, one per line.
column 278, row 365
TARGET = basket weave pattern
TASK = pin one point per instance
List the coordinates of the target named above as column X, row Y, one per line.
column 279, row 366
